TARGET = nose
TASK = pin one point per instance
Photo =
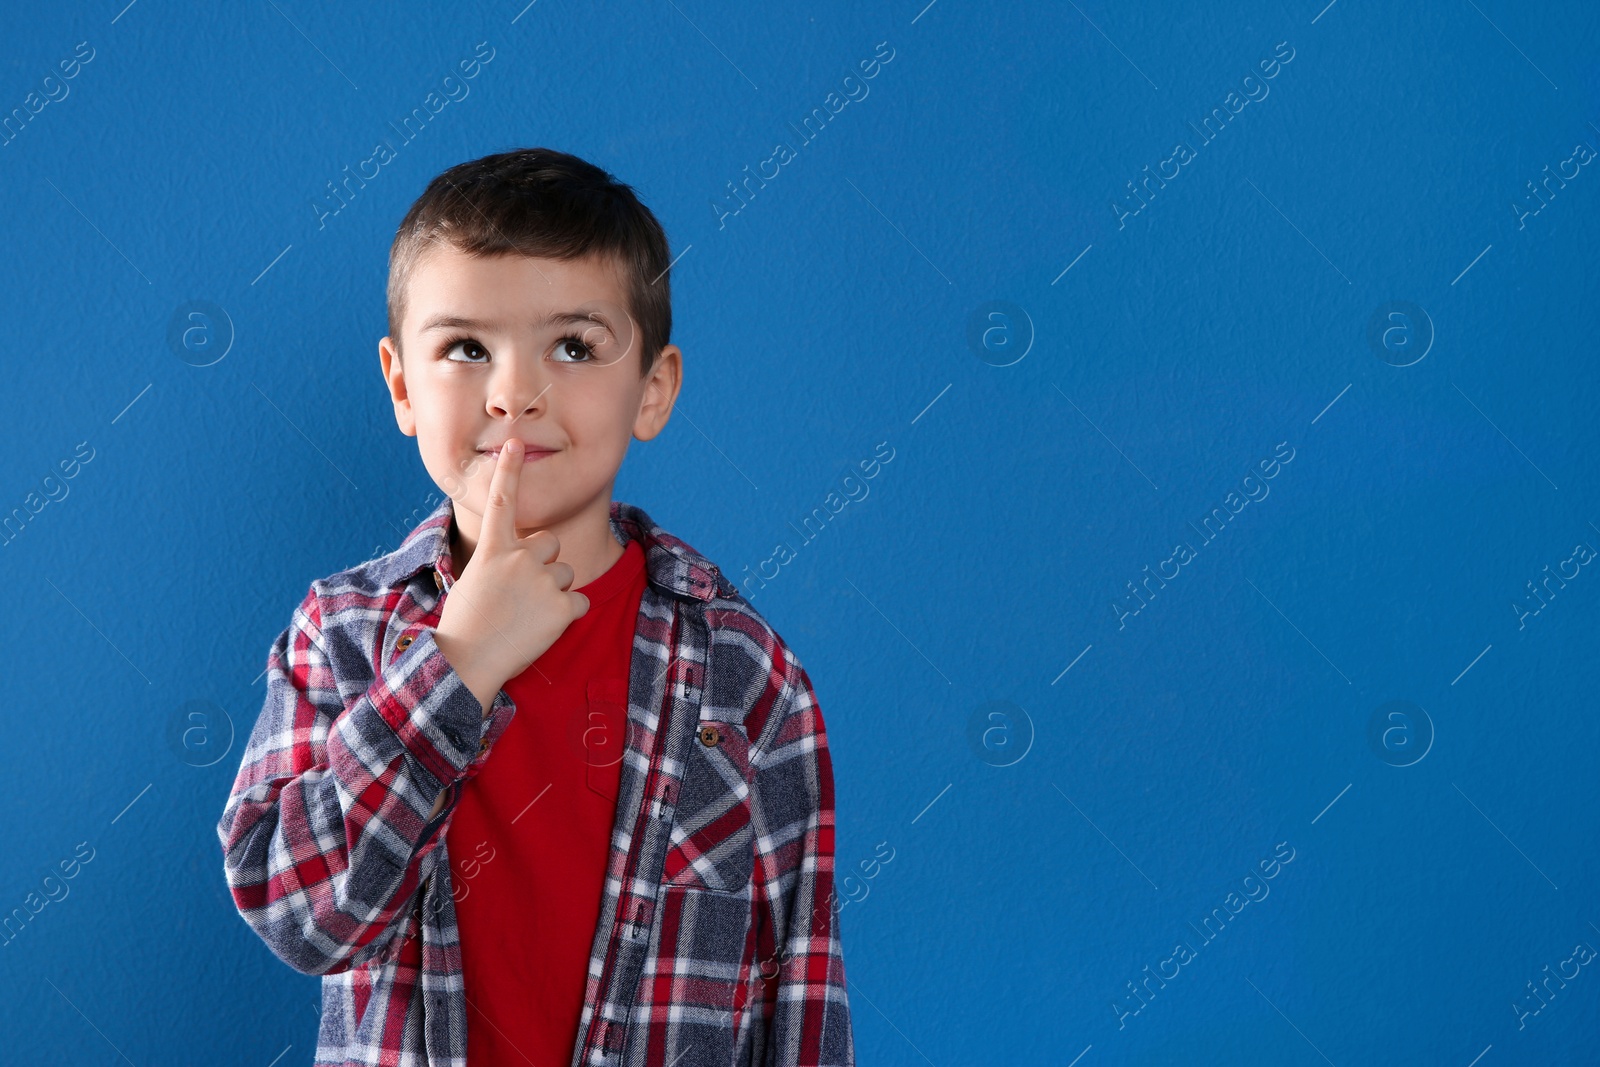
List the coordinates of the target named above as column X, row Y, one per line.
column 518, row 387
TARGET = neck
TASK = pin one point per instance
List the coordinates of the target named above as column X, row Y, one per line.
column 587, row 544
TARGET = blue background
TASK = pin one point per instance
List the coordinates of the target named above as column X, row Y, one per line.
column 1063, row 788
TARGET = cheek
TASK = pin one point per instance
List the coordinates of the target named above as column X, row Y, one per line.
column 442, row 436
column 624, row 412
column 439, row 416
column 619, row 431
column 593, row 420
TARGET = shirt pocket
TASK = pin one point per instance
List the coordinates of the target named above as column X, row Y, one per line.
column 711, row 844
column 702, row 943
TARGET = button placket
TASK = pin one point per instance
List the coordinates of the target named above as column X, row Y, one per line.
column 663, row 805
column 643, row 909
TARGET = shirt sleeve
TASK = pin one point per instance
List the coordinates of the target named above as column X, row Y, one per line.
column 325, row 835
column 806, row 1008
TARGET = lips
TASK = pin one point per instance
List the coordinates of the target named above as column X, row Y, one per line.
column 529, row 453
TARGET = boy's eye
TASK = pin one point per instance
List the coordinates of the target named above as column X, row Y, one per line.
column 567, row 350
column 573, row 346
column 466, row 344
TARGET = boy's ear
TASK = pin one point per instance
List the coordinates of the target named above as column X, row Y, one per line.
column 394, row 378
column 660, row 392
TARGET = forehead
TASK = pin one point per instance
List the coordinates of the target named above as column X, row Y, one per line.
column 447, row 281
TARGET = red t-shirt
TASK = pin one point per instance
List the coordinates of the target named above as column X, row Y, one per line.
column 531, row 834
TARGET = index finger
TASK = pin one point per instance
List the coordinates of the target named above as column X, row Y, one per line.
column 500, row 509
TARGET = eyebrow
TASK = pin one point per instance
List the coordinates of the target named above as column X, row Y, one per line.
column 555, row 318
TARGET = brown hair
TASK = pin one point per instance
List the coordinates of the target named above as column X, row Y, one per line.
column 540, row 202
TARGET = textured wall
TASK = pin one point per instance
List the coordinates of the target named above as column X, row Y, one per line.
column 1234, row 558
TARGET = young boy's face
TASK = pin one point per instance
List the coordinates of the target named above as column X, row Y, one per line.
column 542, row 350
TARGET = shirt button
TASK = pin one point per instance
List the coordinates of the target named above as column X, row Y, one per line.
column 483, row 746
column 709, row 736
column 438, row 579
column 404, row 642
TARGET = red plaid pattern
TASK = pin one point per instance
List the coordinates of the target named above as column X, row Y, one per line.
column 718, row 940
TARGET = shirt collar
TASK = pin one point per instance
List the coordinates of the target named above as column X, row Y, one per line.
column 671, row 564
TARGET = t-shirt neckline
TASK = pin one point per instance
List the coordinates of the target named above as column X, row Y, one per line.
column 616, row 577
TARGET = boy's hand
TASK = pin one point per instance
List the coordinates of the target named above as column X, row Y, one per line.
column 511, row 601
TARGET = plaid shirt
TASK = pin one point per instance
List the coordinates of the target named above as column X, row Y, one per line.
column 718, row 938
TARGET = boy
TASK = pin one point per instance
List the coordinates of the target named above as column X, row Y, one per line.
column 540, row 786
